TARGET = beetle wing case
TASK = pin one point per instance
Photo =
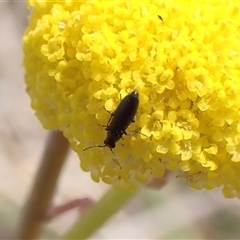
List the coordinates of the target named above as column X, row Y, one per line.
column 124, row 114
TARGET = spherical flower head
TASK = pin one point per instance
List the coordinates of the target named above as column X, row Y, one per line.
column 182, row 57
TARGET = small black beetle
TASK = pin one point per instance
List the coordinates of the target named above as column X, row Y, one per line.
column 119, row 120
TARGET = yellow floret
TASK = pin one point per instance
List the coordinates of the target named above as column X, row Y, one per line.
column 183, row 57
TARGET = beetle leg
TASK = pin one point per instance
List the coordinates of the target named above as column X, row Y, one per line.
column 105, row 126
column 134, row 119
column 137, row 132
column 124, row 132
column 116, row 158
column 133, row 133
column 109, row 120
column 108, row 111
column 93, row 146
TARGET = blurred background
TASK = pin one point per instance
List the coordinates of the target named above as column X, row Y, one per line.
column 174, row 212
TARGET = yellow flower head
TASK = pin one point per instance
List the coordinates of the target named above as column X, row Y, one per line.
column 182, row 57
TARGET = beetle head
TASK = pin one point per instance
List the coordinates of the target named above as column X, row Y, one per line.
column 111, row 139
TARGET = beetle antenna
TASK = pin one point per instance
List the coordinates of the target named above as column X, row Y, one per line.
column 135, row 87
column 101, row 146
column 116, row 158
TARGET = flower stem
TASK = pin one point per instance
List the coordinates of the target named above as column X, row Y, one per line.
column 53, row 158
column 99, row 213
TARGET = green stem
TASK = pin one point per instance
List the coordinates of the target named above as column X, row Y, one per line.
column 99, row 213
